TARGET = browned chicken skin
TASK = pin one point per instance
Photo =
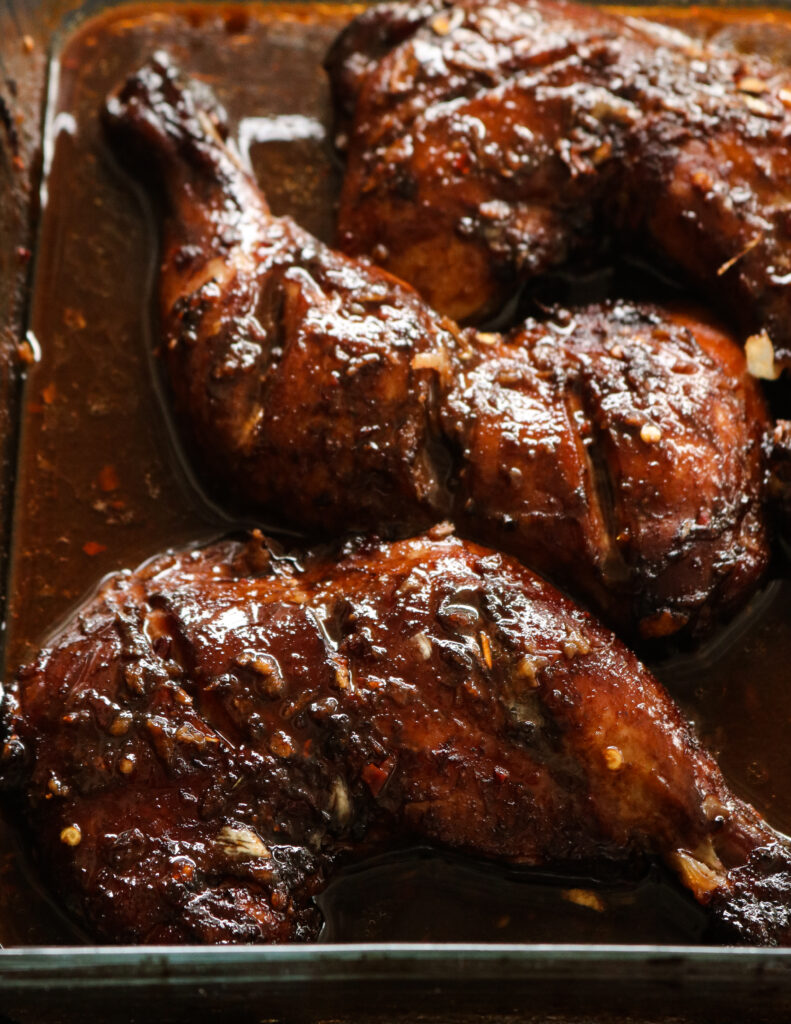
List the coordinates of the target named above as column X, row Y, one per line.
column 215, row 732
column 492, row 140
column 617, row 448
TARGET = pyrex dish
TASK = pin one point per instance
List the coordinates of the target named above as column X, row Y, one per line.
column 99, row 482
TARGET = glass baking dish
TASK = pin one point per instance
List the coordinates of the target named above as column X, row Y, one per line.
column 45, row 973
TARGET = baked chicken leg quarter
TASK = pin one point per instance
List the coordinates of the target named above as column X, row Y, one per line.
column 216, row 731
column 492, row 140
column 617, row 449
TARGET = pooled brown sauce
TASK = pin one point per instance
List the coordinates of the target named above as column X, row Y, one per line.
column 103, row 484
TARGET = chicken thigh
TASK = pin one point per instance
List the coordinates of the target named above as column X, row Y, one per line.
column 490, row 141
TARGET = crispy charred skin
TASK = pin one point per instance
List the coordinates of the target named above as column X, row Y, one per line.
column 216, row 731
column 617, row 448
column 490, row 142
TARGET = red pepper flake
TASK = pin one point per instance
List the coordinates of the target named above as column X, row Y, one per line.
column 501, row 774
column 182, row 871
column 462, row 162
column 48, row 394
column 18, row 163
column 375, row 776
column 92, row 548
column 486, row 647
column 108, row 479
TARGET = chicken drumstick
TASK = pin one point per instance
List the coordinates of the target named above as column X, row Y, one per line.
column 216, row 731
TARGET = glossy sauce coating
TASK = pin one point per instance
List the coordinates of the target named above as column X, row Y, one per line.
column 617, row 448
column 489, row 142
column 215, row 732
column 265, row 61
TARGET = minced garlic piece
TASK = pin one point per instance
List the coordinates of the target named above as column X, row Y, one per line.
column 584, row 898
column 71, row 835
column 650, row 433
column 242, row 842
column 761, row 357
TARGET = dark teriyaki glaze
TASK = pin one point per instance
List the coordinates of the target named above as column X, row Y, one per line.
column 82, row 516
column 490, row 142
column 211, row 736
column 617, row 448
column 102, row 484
